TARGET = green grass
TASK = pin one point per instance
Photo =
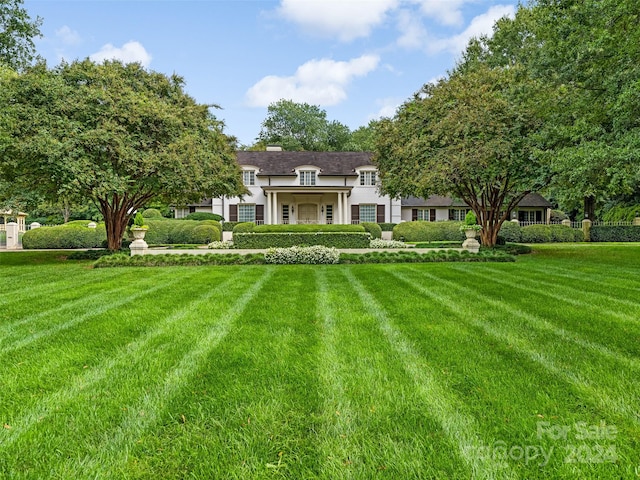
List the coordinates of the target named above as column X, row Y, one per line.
column 398, row 371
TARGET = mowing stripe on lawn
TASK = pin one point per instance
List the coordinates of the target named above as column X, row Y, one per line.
column 524, row 284
column 85, row 304
column 461, row 428
column 82, row 383
column 602, row 399
column 95, row 311
column 116, row 450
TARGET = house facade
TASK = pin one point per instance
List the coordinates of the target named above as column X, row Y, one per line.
column 533, row 208
column 304, row 187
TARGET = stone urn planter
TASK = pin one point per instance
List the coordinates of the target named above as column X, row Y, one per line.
column 471, row 244
column 470, row 233
column 138, row 246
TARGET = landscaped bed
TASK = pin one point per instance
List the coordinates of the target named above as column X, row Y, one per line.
column 442, row 370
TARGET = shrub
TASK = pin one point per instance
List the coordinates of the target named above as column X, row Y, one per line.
column 152, row 213
column 206, row 234
column 199, row 216
column 550, row 233
column 510, row 232
column 312, row 228
column 229, row 226
column 173, row 259
column 169, row 231
column 373, row 228
column 243, row 227
column 70, row 235
column 408, row 256
column 220, row 245
column 282, row 240
column 613, row 233
column 387, row 227
column 314, row 255
column 377, row 243
column 421, row 231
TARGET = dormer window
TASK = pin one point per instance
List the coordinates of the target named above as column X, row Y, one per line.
column 307, row 177
column 368, row 178
column 249, row 177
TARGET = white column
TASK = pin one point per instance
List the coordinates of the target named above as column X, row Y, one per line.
column 267, row 219
column 274, row 216
column 13, row 239
column 345, row 208
column 338, row 212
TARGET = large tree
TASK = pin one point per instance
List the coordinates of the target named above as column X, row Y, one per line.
column 17, row 32
column 587, row 52
column 471, row 136
column 300, row 126
column 115, row 134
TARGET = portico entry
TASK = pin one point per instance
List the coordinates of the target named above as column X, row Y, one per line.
column 307, row 213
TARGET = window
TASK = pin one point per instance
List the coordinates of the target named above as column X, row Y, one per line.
column 285, row 214
column 246, row 212
column 307, row 177
column 367, row 213
column 249, row 177
column 368, row 178
column 423, row 214
column 532, row 216
column 458, row 214
column 192, row 209
column 329, row 213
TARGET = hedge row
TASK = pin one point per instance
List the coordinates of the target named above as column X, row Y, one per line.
column 301, row 228
column 421, row 231
column 514, row 233
column 71, row 235
column 164, row 232
column 616, row 233
column 280, row 240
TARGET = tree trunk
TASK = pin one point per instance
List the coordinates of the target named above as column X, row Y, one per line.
column 115, row 224
column 590, row 207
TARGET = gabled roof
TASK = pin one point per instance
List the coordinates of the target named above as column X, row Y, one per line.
column 531, row 200
column 284, row 163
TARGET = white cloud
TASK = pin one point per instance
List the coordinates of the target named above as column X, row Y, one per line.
column 343, row 19
column 68, row 36
column 388, row 108
column 414, row 34
column 130, row 52
column 317, row 82
column 480, row 25
column 446, row 12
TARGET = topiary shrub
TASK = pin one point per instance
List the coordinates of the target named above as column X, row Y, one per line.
column 152, row 213
column 243, row 227
column 199, row 216
column 421, row 231
column 170, row 231
column 206, row 234
column 228, row 226
column 282, row 240
column 373, row 228
column 70, row 235
column 387, row 227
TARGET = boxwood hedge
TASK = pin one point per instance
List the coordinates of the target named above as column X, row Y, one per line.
column 373, row 228
column 618, row 233
column 70, row 235
column 550, row 233
column 168, row 231
column 312, row 228
column 421, row 231
column 291, row 239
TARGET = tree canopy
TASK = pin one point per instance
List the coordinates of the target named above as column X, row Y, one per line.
column 471, row 136
column 115, row 134
column 300, row 126
column 17, row 32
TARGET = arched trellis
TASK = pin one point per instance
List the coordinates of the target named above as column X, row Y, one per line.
column 19, row 217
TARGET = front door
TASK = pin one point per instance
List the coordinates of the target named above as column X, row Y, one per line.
column 307, row 213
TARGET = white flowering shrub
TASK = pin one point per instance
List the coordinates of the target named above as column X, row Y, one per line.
column 377, row 243
column 221, row 245
column 316, row 254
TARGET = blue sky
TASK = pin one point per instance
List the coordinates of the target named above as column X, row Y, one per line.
column 356, row 59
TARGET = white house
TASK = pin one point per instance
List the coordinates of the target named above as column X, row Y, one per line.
column 533, row 208
column 305, row 187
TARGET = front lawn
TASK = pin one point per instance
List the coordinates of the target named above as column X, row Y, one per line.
column 443, row 370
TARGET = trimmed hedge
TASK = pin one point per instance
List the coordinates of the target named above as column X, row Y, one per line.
column 407, row 256
column 170, row 231
column 152, row 213
column 199, row 216
column 550, row 233
column 510, row 232
column 70, row 235
column 387, row 227
column 618, row 233
column 281, row 240
column 228, row 226
column 309, row 228
column 243, row 227
column 421, row 231
column 373, row 228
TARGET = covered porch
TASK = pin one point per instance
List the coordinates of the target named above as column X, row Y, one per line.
column 300, row 205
